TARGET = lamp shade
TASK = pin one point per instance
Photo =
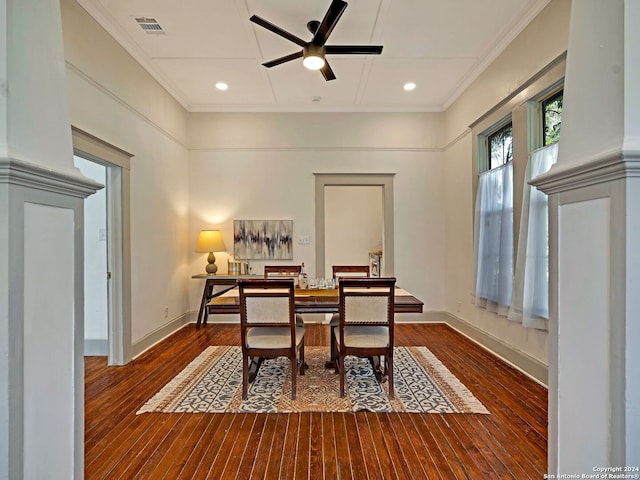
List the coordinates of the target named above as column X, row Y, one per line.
column 210, row 241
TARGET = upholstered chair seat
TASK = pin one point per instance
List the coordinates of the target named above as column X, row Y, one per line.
column 342, row 271
column 365, row 336
column 273, row 337
column 269, row 326
column 365, row 323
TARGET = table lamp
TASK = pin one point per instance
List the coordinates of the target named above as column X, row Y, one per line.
column 210, row 241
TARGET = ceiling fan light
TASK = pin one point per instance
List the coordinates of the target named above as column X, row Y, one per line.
column 313, row 56
column 313, row 62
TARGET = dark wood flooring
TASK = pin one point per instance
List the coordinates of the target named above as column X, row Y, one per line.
column 510, row 443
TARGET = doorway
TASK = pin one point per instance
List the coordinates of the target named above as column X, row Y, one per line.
column 384, row 184
column 96, row 291
column 107, row 249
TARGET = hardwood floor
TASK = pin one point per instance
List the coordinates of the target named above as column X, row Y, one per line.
column 510, row 443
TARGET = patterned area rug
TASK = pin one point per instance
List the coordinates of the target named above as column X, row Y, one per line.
column 212, row 383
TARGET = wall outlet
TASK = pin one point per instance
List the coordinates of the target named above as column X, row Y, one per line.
column 458, row 307
column 166, row 312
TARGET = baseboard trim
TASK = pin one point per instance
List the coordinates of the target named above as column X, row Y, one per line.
column 528, row 365
column 96, row 347
column 431, row 316
column 160, row 334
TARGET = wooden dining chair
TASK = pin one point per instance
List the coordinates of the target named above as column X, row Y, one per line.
column 342, row 271
column 366, row 321
column 271, row 271
column 268, row 325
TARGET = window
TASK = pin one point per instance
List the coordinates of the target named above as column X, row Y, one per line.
column 500, row 145
column 504, row 137
column 530, row 302
column 552, row 118
column 494, row 224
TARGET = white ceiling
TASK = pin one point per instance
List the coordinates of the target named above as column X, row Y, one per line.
column 441, row 45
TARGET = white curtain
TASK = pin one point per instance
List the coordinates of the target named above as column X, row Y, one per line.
column 530, row 303
column 494, row 239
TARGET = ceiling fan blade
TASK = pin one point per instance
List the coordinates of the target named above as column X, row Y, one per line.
column 277, row 30
column 336, row 9
column 327, row 72
column 286, row 58
column 353, row 49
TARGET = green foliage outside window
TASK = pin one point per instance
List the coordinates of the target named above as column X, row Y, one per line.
column 500, row 146
column 552, row 118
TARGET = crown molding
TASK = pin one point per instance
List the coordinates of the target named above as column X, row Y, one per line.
column 488, row 56
column 101, row 15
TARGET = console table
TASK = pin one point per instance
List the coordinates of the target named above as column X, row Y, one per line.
column 208, row 293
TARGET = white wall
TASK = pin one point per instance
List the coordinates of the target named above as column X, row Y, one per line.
column 262, row 166
column 459, row 227
column 4, row 133
column 115, row 99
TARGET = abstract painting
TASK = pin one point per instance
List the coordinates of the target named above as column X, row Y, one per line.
column 263, row 239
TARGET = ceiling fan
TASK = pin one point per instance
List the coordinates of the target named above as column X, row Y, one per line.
column 314, row 52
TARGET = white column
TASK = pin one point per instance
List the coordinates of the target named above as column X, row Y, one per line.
column 630, row 414
column 594, row 416
column 3, row 80
column 41, row 257
column 4, row 254
column 37, row 107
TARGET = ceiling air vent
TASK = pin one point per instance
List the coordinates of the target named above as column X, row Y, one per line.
column 150, row 25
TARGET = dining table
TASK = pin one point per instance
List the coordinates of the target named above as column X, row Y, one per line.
column 316, row 300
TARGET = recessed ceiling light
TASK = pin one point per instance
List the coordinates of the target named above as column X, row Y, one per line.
column 222, row 86
column 409, row 86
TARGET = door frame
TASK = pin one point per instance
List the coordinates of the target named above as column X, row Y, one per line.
column 117, row 163
column 384, row 180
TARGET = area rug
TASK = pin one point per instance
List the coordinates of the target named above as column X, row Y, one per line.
column 212, row 383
